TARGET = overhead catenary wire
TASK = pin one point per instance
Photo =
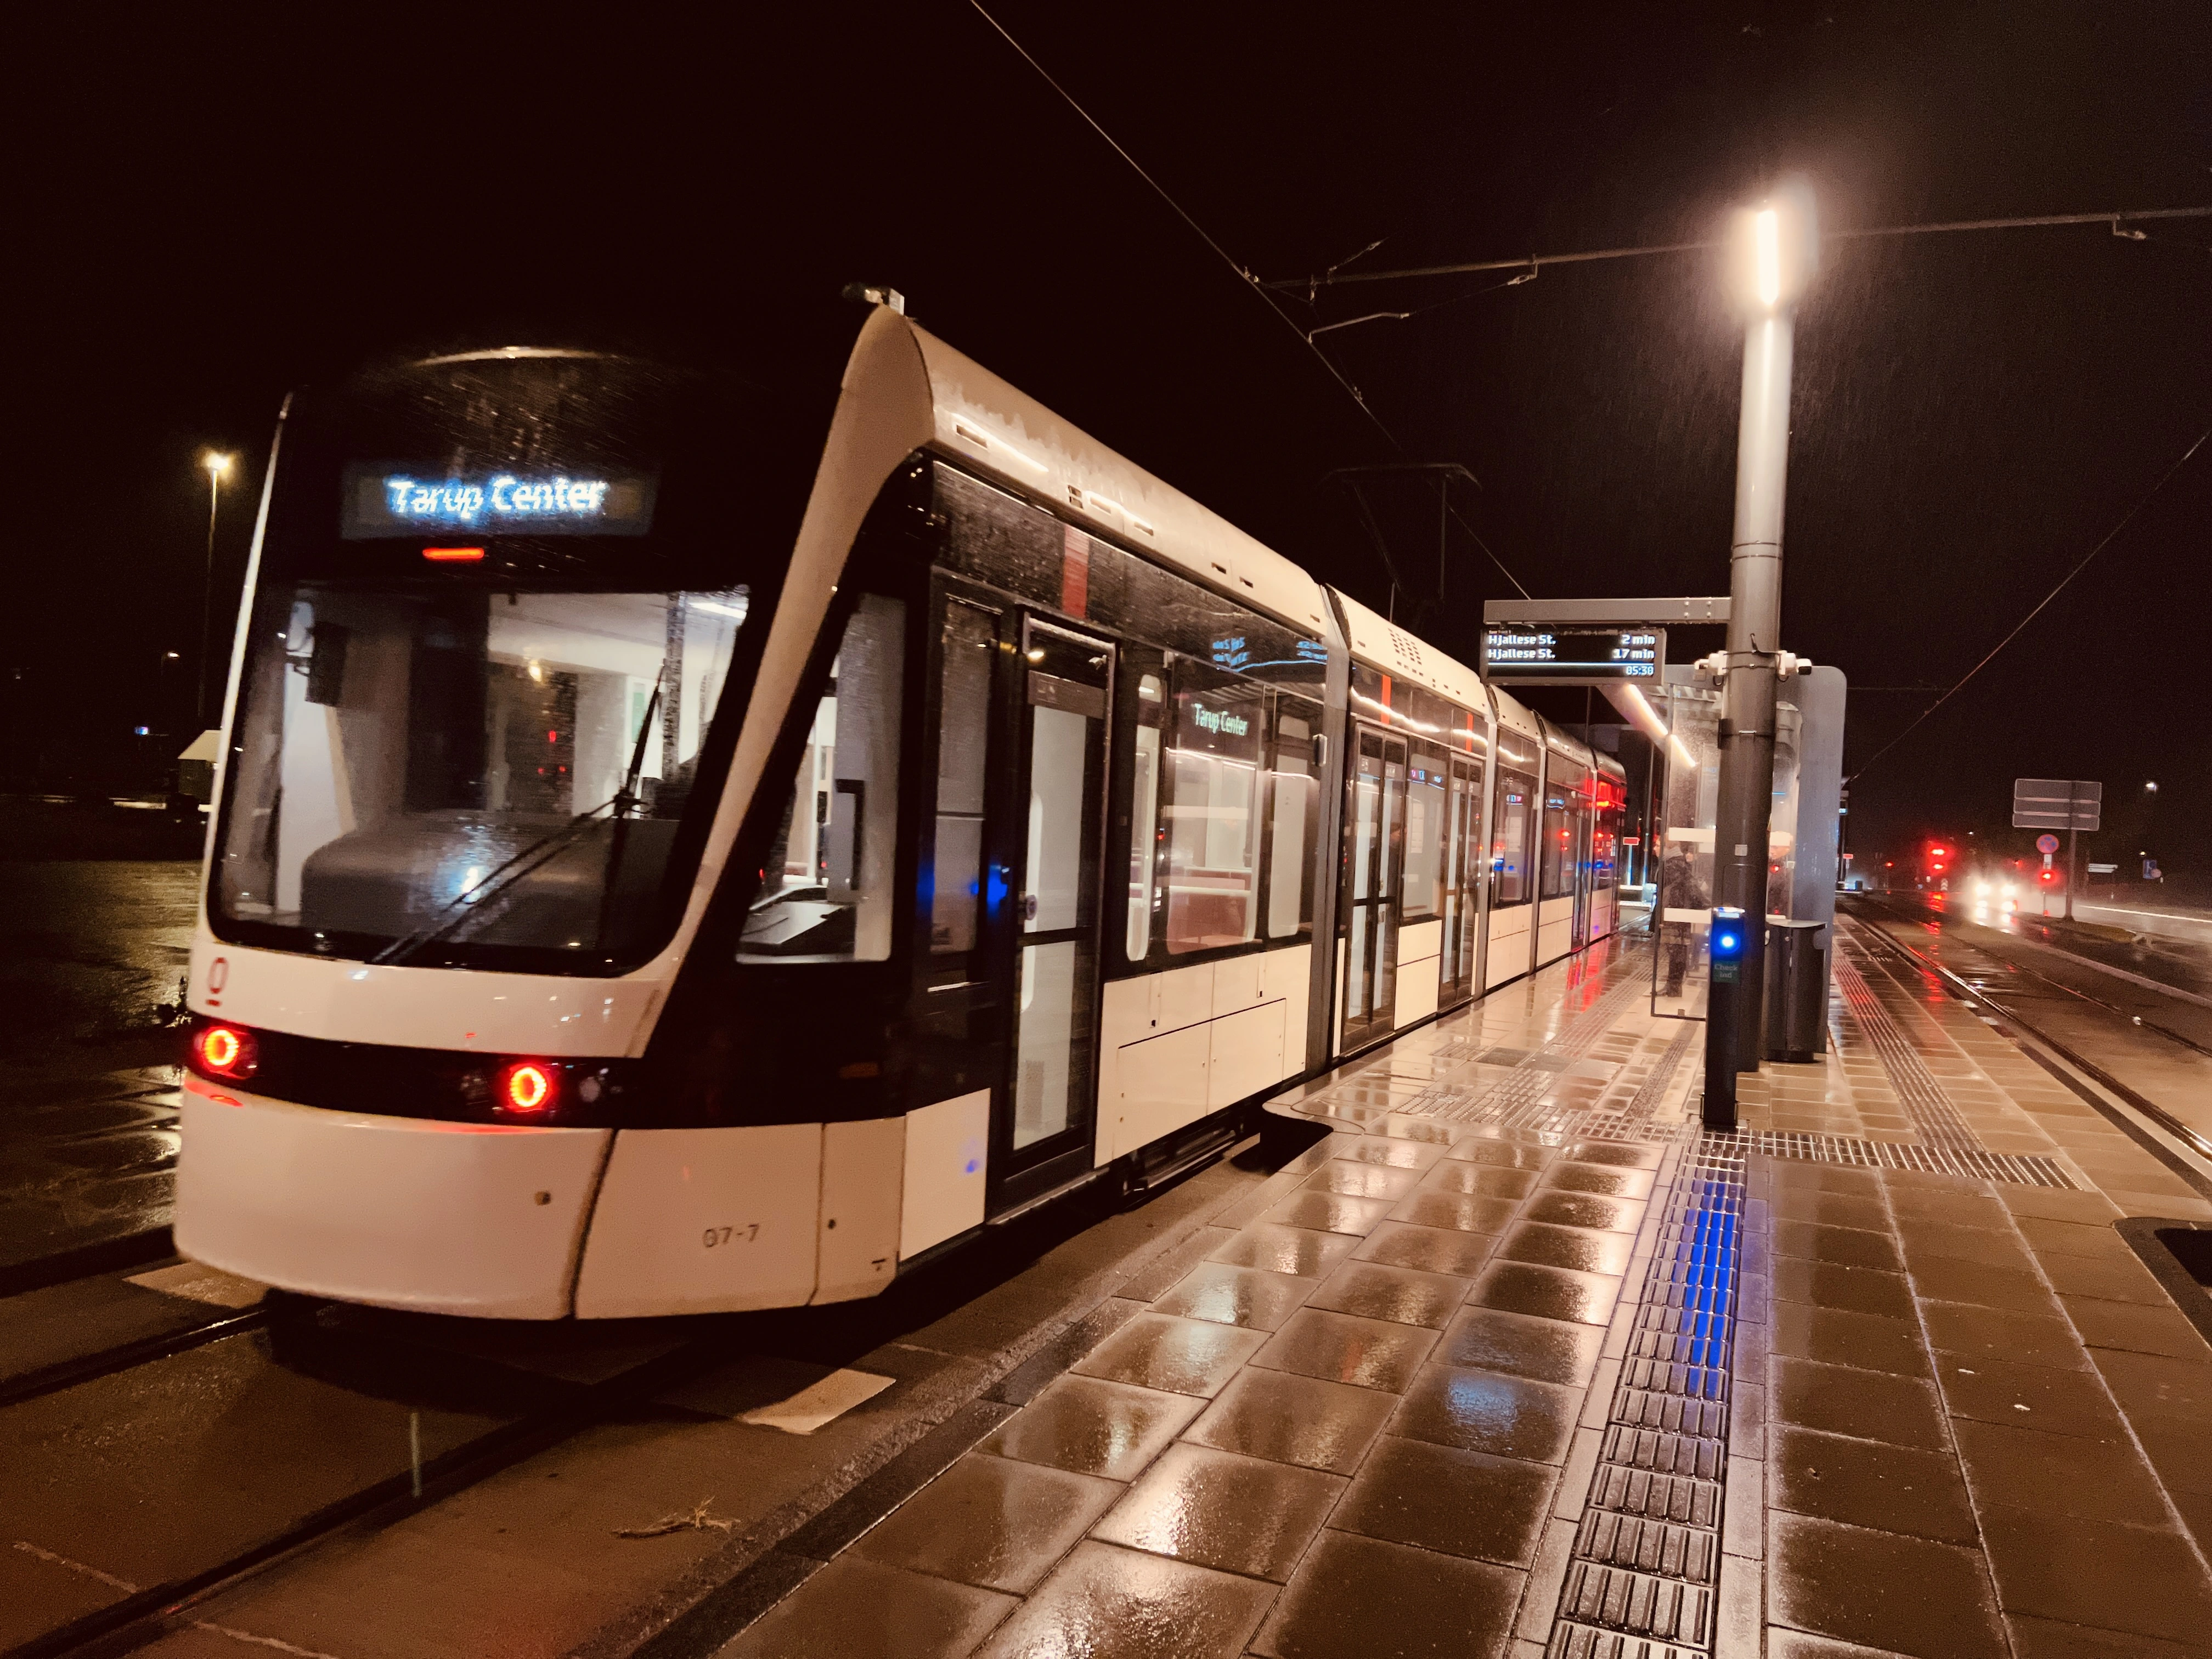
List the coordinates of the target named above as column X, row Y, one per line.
column 1250, row 279
column 2109, row 535
column 1334, row 277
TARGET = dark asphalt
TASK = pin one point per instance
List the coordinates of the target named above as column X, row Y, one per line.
column 90, row 950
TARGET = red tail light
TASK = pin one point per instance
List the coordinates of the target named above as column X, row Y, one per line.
column 225, row 1051
column 526, row 1089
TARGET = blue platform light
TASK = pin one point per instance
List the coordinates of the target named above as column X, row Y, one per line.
column 1727, row 934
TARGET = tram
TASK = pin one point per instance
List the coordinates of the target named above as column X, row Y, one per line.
column 618, row 904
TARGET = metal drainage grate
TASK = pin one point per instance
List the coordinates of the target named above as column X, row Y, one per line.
column 1645, row 1570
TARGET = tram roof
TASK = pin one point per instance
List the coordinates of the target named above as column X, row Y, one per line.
column 989, row 426
column 1384, row 646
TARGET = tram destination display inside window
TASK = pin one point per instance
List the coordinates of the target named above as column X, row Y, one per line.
column 385, row 499
column 1572, row 655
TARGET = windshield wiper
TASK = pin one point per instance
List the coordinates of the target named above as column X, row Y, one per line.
column 470, row 901
column 625, row 799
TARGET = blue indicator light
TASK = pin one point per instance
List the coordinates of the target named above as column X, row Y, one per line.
column 1728, row 941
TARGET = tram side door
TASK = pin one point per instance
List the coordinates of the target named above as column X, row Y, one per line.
column 1462, row 871
column 1374, row 847
column 1042, row 1119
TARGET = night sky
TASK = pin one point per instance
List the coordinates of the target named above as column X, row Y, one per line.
column 211, row 209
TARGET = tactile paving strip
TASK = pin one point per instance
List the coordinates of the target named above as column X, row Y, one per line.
column 1933, row 1114
column 1644, row 1571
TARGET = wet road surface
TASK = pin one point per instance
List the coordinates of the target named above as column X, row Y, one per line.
column 89, row 952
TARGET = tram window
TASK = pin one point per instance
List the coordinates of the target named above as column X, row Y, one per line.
column 1425, row 834
column 1295, row 814
column 826, row 887
column 1509, row 839
column 1144, row 814
column 503, row 769
column 967, row 641
column 1210, row 821
column 1562, row 819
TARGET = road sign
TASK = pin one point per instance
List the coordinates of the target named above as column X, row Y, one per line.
column 2046, row 845
column 2057, row 804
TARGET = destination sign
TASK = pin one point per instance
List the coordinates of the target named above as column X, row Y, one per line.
column 387, row 500
column 1573, row 654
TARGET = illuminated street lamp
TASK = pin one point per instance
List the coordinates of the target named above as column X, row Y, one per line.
column 1774, row 250
column 218, row 469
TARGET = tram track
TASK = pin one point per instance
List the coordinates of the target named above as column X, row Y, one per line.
column 2006, row 1008
column 145, row 1610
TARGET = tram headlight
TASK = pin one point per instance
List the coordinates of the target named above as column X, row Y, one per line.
column 225, row 1051
column 526, row 1089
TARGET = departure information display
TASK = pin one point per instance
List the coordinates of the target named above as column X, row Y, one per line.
column 1573, row 654
column 389, row 499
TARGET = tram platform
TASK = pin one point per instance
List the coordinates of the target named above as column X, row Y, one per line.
column 1516, row 1360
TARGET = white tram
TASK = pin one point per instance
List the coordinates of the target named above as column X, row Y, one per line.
column 616, row 906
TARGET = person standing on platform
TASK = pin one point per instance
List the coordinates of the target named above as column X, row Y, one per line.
column 1678, row 890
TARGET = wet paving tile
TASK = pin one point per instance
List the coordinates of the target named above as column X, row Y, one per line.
column 1547, row 1292
column 2072, row 1238
column 857, row 1609
column 1840, row 1337
column 1859, row 1290
column 1548, row 1349
column 2156, row 1384
column 1404, row 1295
column 1921, row 1240
column 1246, row 1515
column 1481, row 1180
column 1620, row 1154
column 1826, row 1178
column 2003, row 1391
column 1295, row 1419
column 1296, row 1250
column 1501, row 1154
column 1599, row 1178
column 1949, row 1278
column 1181, row 1356
column 1396, row 1154
column 1330, row 1213
column 1869, row 1404
column 1936, row 1599
column 1993, row 1333
column 1372, row 1353
column 2025, row 1466
column 1865, row 1483
column 1580, row 1249
column 1615, row 1215
column 2146, row 1580
column 1230, row 1295
column 1362, row 1598
column 1358, row 1179
column 989, row 1521
column 1489, row 1412
column 1425, row 1130
column 1830, row 1209
column 1464, row 1212
column 1439, row 1498
column 2134, row 1326
column 1847, row 1246
column 1105, row 1602
column 1091, row 1426
column 1429, row 1250
column 2112, row 1281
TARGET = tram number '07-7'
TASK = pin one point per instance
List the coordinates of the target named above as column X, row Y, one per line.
column 714, row 1237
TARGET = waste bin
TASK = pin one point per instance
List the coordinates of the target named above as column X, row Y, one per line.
column 1796, row 990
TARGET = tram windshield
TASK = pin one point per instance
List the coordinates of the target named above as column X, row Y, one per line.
column 418, row 771
column 477, row 707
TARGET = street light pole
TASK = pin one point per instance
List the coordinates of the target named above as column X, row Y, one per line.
column 217, row 467
column 1776, row 250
